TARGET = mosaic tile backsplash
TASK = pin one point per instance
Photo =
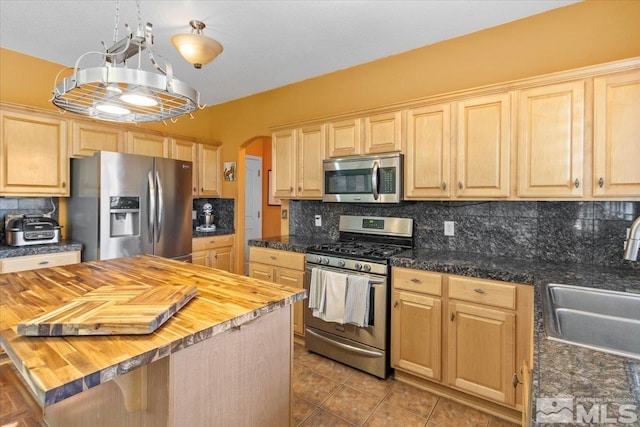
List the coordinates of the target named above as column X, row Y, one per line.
column 27, row 205
column 577, row 232
column 223, row 212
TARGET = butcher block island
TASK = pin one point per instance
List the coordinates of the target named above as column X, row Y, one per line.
column 223, row 359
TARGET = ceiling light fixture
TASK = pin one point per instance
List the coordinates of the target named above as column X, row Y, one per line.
column 197, row 48
column 114, row 92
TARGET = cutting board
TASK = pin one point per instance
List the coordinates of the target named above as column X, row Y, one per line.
column 111, row 310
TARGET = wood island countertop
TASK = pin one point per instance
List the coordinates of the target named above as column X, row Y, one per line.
column 56, row 368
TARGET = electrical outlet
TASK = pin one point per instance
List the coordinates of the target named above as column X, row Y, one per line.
column 449, row 228
column 318, row 219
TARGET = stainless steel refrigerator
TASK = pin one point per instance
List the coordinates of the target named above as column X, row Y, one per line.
column 125, row 204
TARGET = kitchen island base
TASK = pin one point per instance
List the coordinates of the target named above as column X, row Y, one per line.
column 241, row 377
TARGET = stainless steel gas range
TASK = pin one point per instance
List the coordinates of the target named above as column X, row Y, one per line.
column 364, row 248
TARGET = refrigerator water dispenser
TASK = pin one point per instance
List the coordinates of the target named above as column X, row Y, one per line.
column 124, row 216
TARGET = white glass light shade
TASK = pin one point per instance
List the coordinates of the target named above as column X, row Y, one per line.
column 109, row 108
column 197, row 49
column 138, row 96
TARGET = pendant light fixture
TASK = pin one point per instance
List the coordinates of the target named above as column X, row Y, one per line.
column 197, row 48
column 115, row 92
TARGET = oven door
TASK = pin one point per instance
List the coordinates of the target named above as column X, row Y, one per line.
column 374, row 335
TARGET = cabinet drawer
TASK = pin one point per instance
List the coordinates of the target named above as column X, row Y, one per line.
column 32, row 262
column 488, row 292
column 277, row 258
column 211, row 242
column 418, row 281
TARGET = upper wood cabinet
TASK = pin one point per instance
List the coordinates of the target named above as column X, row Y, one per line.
column 345, row 138
column 383, row 133
column 209, row 170
column 34, row 160
column 616, row 139
column 88, row 138
column 187, row 151
column 283, row 158
column 484, row 146
column 551, row 141
column 427, row 159
column 147, row 144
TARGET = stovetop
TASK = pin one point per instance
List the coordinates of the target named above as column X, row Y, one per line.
column 365, row 250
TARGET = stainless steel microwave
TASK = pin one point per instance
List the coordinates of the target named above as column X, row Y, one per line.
column 371, row 179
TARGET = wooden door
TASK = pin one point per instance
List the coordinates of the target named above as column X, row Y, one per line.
column 416, row 334
column 147, row 144
column 617, row 135
column 551, row 141
column 483, row 146
column 295, row 279
column 222, row 258
column 34, row 159
column 88, row 138
column 283, row 163
column 310, row 153
column 261, row 271
column 481, row 351
column 383, row 133
column 345, row 138
column 187, row 151
column 208, row 170
column 428, row 152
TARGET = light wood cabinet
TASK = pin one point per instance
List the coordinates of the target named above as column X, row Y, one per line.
column 383, row 133
column 209, row 170
column 187, row 151
column 214, row 251
column 616, row 139
column 428, row 152
column 283, row 146
column 147, row 144
column 34, row 160
column 483, row 146
column 282, row 267
column 345, row 138
column 33, row 262
column 88, row 138
column 551, row 141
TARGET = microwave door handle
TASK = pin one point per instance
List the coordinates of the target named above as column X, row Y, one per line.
column 152, row 206
column 374, row 180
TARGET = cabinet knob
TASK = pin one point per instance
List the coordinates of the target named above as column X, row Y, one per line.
column 273, row 257
column 299, row 188
column 460, row 186
column 195, row 189
column 479, row 290
column 64, row 184
column 290, row 189
column 444, row 186
column 202, row 190
column 515, row 381
column 576, row 183
column 601, row 182
column 395, row 304
column 453, row 316
column 416, row 280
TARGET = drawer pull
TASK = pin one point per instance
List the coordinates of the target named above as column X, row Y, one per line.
column 577, row 183
column 416, row 280
column 273, row 257
column 479, row 290
column 43, row 263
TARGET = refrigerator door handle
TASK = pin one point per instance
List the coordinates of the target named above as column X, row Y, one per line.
column 152, row 206
column 160, row 206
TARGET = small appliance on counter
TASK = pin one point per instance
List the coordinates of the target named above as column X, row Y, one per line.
column 206, row 218
column 32, row 230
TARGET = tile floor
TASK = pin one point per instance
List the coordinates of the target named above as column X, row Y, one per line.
column 327, row 393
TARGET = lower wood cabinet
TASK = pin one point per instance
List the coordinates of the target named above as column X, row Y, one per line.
column 283, row 267
column 465, row 336
column 213, row 251
column 33, row 262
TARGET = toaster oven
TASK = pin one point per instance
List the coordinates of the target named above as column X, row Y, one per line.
column 32, row 230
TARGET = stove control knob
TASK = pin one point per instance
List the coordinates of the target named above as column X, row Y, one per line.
column 319, row 260
column 358, row 266
column 341, row 263
column 326, row 260
column 367, row 267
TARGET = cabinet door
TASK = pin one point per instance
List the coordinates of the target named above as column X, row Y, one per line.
column 261, row 271
column 87, row 138
column 550, row 141
column 283, row 146
column 345, row 138
column 147, row 144
column 311, row 144
column 481, row 345
column 483, row 146
column 428, row 152
column 295, row 279
column 187, row 151
column 415, row 334
column 616, row 144
column 383, row 133
column 208, row 170
column 34, row 158
column 200, row 258
column 222, row 258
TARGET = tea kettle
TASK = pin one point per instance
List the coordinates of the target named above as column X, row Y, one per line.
column 206, row 217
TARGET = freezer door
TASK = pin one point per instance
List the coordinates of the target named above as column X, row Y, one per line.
column 173, row 222
column 125, row 181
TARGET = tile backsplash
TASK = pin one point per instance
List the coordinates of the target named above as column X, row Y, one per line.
column 25, row 205
column 577, row 232
column 223, row 212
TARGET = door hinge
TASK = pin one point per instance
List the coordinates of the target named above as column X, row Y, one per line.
column 258, row 214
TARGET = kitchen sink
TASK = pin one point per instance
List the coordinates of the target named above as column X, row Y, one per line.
column 599, row 319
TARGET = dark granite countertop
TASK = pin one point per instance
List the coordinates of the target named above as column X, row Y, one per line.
column 216, row 232
column 286, row 243
column 63, row 246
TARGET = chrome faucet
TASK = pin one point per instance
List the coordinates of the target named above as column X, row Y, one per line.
column 633, row 241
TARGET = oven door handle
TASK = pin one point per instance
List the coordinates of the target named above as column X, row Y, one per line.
column 347, row 272
column 353, row 349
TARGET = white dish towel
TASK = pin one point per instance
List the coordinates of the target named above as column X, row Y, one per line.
column 317, row 291
column 357, row 301
column 335, row 297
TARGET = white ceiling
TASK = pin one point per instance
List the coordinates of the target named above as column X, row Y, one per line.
column 267, row 44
